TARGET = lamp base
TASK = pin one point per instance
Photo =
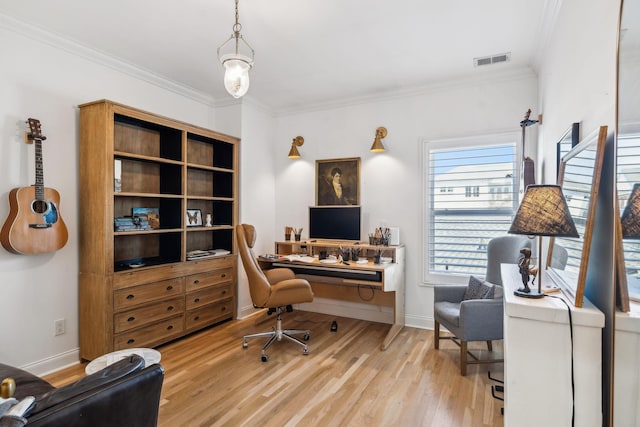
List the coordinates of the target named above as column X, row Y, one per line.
column 532, row 294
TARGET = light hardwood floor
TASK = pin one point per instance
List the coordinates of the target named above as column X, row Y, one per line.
column 210, row 380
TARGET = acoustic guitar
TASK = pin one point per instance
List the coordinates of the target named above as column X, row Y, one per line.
column 528, row 167
column 34, row 224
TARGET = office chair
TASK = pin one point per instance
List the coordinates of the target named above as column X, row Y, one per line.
column 275, row 289
column 478, row 319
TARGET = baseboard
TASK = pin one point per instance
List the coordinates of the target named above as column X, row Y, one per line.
column 54, row 363
column 419, row 322
column 249, row 310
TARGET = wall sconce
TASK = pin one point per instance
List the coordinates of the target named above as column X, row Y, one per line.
column 377, row 146
column 297, row 142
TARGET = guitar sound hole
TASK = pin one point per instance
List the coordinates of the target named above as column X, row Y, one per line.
column 40, row 206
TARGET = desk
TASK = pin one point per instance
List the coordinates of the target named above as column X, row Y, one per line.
column 377, row 284
column 537, row 359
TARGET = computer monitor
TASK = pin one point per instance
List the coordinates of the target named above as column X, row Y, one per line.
column 334, row 222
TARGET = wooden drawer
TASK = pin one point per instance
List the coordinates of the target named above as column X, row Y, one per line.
column 210, row 278
column 147, row 314
column 137, row 277
column 126, row 298
column 152, row 335
column 209, row 295
column 209, row 314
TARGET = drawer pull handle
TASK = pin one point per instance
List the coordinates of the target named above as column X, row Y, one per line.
column 223, row 275
column 170, row 287
column 131, row 319
column 224, row 308
column 131, row 341
column 196, row 282
column 170, row 308
column 196, row 300
column 224, row 292
column 196, row 318
column 170, row 327
column 130, row 297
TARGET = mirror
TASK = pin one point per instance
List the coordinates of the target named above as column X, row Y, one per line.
column 626, row 381
column 579, row 176
column 628, row 145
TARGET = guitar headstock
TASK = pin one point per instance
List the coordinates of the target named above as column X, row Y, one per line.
column 35, row 130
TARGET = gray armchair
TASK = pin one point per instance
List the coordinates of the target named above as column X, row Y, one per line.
column 476, row 319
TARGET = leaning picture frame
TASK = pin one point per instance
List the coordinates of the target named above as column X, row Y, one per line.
column 193, row 218
column 338, row 182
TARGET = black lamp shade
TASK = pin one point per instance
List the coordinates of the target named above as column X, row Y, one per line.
column 631, row 215
column 544, row 212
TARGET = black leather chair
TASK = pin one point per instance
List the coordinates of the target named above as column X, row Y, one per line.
column 123, row 394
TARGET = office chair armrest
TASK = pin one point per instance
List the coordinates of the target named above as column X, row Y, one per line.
column 276, row 275
column 450, row 293
column 482, row 319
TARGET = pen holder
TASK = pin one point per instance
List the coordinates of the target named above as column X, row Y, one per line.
column 297, row 237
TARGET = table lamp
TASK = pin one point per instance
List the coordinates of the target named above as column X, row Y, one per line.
column 631, row 215
column 542, row 212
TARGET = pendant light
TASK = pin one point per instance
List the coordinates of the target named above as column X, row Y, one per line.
column 236, row 56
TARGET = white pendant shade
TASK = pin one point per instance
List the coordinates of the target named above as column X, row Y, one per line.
column 236, row 77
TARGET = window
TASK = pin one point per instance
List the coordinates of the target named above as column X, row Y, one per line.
column 481, row 173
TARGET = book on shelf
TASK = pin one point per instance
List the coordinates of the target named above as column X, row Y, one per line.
column 130, row 223
column 206, row 254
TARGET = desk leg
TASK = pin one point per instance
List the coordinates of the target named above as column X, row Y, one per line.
column 398, row 319
column 395, row 330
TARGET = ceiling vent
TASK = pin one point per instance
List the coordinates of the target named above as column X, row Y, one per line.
column 494, row 59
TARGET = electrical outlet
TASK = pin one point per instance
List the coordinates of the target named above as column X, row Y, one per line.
column 60, row 327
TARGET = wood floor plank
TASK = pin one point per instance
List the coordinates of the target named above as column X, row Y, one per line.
column 346, row 380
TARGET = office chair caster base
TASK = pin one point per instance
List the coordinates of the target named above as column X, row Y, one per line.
column 264, row 358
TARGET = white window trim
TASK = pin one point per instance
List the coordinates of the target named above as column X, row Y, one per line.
column 500, row 137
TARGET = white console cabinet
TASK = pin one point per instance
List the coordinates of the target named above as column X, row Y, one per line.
column 537, row 354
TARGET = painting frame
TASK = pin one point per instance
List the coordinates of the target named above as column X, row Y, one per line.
column 348, row 180
column 193, row 218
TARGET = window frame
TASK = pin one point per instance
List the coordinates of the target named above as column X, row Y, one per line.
column 490, row 139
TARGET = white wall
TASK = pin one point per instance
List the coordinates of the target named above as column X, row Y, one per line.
column 391, row 187
column 577, row 76
column 48, row 83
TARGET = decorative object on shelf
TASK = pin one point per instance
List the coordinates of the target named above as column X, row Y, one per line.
column 377, row 146
column 194, row 218
column 287, row 232
column 338, row 182
column 524, row 267
column 542, row 212
column 117, row 175
column 208, row 220
column 34, row 224
column 151, row 215
column 236, row 56
column 298, row 141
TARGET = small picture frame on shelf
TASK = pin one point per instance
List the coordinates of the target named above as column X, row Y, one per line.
column 151, row 215
column 194, row 218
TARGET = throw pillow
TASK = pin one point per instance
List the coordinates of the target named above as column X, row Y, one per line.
column 478, row 289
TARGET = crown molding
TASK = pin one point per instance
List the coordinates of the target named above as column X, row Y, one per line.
column 104, row 59
column 511, row 74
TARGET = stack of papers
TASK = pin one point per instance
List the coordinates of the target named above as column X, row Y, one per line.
column 301, row 258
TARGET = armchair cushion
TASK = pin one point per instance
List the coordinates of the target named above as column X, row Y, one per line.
column 478, row 289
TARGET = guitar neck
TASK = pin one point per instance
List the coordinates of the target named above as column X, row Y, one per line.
column 39, row 171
